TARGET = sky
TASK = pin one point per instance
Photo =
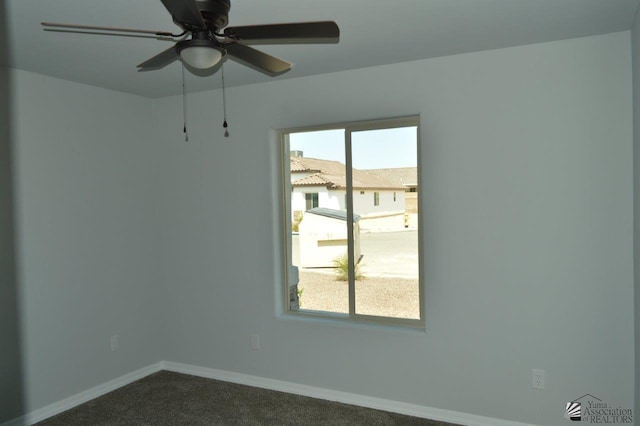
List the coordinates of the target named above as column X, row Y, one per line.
column 371, row 149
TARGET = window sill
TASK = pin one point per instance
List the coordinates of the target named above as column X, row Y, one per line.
column 343, row 321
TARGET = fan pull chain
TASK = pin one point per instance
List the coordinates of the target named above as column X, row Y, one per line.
column 184, row 109
column 224, row 107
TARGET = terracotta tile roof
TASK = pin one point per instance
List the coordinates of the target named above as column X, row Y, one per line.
column 304, row 164
column 300, row 166
column 313, row 180
column 404, row 176
column 332, row 174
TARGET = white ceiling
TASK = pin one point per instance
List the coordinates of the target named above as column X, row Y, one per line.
column 373, row 32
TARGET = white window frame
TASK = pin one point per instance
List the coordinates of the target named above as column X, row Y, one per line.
column 290, row 273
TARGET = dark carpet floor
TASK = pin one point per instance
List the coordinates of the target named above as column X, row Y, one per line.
column 167, row 398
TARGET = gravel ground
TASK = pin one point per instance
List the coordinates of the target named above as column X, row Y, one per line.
column 382, row 296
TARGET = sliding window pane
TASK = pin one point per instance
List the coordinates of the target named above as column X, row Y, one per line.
column 318, row 217
column 385, row 198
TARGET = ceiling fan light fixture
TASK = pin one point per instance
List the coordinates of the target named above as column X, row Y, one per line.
column 200, row 54
column 201, row 57
column 211, row 40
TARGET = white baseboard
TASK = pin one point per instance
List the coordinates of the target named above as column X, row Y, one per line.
column 265, row 383
column 338, row 396
column 82, row 397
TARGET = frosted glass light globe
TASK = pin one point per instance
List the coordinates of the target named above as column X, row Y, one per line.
column 201, row 57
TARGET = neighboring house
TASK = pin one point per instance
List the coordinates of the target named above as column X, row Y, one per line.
column 406, row 177
column 322, row 183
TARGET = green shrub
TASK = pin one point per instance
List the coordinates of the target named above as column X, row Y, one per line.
column 300, row 290
column 341, row 268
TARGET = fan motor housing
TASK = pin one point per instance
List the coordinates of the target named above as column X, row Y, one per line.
column 215, row 13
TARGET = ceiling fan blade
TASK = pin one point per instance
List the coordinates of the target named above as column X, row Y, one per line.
column 301, row 32
column 162, row 59
column 256, row 59
column 185, row 13
column 111, row 29
column 100, row 33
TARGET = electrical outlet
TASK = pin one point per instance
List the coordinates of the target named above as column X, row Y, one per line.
column 255, row 342
column 115, row 342
column 538, row 378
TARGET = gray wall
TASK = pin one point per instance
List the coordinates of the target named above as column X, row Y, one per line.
column 11, row 404
column 527, row 159
column 528, row 231
column 635, row 51
column 86, row 232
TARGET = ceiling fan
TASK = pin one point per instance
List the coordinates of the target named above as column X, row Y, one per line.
column 205, row 41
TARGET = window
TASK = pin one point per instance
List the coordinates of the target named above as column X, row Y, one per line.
column 352, row 260
column 311, row 200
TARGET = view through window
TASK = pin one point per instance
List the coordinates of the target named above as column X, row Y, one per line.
column 352, row 220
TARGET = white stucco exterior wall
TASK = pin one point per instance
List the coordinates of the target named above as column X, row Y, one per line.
column 363, row 204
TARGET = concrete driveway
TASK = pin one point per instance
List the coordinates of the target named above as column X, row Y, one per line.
column 385, row 254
